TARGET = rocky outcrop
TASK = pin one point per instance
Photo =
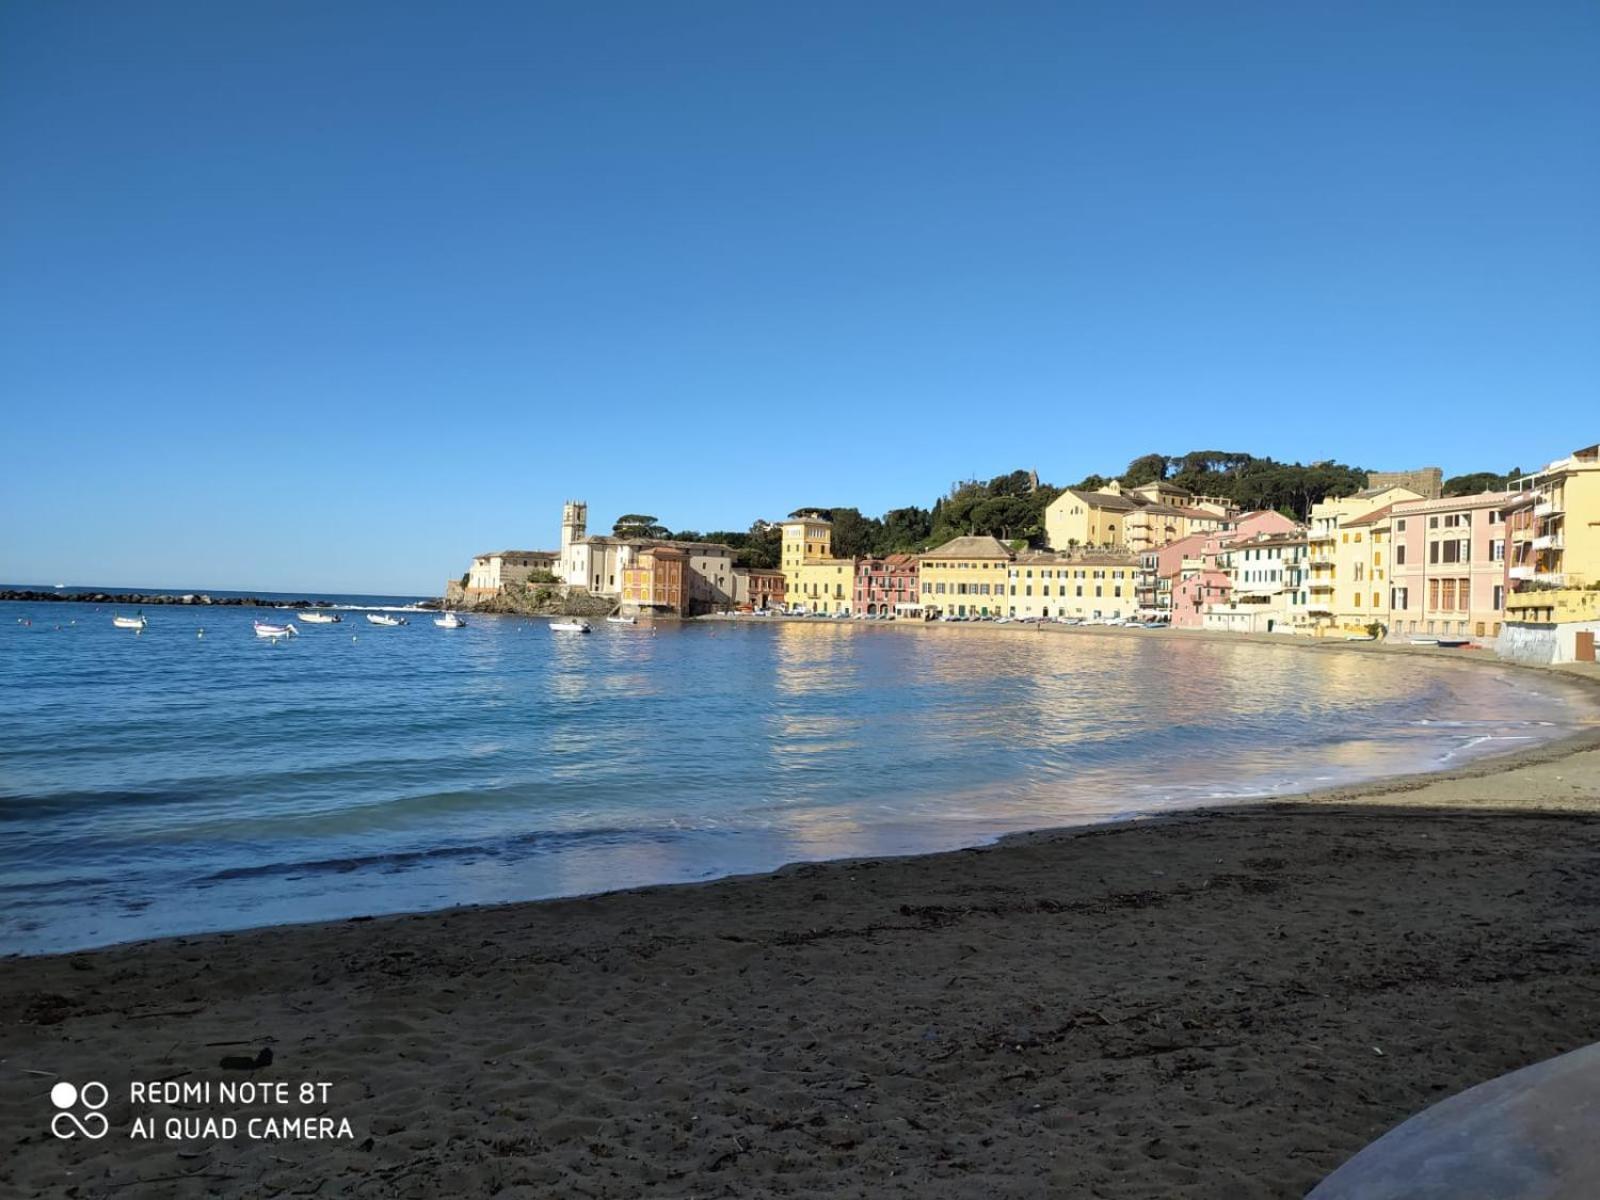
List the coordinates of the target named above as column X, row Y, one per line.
column 542, row 600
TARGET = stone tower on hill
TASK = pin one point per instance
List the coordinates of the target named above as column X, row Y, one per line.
column 1427, row 482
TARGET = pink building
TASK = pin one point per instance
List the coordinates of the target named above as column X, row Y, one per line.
column 1190, row 597
column 1447, row 576
column 1261, row 520
column 884, row 586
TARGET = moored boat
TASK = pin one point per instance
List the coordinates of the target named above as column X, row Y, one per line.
column 449, row 621
column 384, row 619
column 569, row 627
column 267, row 630
column 617, row 620
column 138, row 622
column 321, row 618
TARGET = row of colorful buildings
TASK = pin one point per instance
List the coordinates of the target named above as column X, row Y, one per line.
column 1518, row 567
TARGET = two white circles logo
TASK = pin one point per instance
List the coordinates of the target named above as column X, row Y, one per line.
column 66, row 1123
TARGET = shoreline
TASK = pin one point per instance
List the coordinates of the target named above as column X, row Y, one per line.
column 1221, row 1002
column 1224, row 1001
column 1477, row 767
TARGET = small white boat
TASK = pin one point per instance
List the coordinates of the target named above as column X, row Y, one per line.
column 569, row 627
column 384, row 619
column 320, row 618
column 450, row 621
column 1424, row 641
column 263, row 629
column 138, row 622
column 622, row 620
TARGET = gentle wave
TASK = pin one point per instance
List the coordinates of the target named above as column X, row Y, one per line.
column 169, row 782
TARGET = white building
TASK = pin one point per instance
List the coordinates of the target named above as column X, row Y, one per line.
column 1270, row 588
column 595, row 564
column 491, row 572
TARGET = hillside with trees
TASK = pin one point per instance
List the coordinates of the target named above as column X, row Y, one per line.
column 1011, row 507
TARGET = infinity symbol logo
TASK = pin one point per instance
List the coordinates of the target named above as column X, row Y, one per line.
column 92, row 1124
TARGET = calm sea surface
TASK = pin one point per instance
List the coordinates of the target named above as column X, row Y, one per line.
column 167, row 782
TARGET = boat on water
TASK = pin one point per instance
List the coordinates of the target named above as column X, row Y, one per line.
column 622, row 620
column 569, row 627
column 138, row 622
column 384, row 619
column 1424, row 641
column 321, row 618
column 265, row 629
column 449, row 621
column 1454, row 642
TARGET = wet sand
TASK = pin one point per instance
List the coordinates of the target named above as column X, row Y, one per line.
column 1220, row 1004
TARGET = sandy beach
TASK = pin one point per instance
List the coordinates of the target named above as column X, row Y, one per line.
column 1225, row 1003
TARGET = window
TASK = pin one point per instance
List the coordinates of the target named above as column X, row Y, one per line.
column 1499, row 597
column 1399, row 556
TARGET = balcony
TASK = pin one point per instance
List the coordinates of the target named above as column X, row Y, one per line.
column 1549, row 541
column 1325, row 585
column 1546, row 508
column 1327, row 535
column 1521, row 573
column 1553, row 578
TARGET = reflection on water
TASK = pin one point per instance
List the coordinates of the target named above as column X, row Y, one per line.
column 168, row 783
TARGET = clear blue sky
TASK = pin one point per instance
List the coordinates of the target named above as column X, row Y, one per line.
column 307, row 295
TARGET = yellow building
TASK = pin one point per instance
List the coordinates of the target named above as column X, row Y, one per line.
column 1143, row 518
column 1350, row 551
column 1077, row 519
column 1553, row 524
column 1086, row 586
column 1553, row 562
column 815, row 581
column 966, row 577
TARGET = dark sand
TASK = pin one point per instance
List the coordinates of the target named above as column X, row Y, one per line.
column 1222, row 1004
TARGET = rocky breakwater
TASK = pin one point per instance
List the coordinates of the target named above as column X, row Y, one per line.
column 139, row 599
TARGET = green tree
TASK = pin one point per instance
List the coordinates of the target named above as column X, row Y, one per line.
column 1471, row 485
column 906, row 529
column 855, row 536
column 639, row 525
column 763, row 547
column 1147, row 468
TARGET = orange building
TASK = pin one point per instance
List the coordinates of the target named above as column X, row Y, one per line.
column 654, row 581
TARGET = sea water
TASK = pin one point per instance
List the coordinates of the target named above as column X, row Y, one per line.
column 167, row 781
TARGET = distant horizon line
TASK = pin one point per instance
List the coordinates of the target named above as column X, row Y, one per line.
column 209, row 591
